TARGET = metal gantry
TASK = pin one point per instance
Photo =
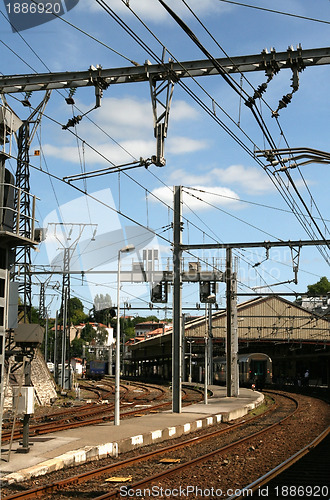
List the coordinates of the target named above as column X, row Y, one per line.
column 161, row 78
column 25, row 222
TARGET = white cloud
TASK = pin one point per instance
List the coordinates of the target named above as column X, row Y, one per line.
column 180, row 110
column 128, row 121
column 120, row 118
column 109, row 152
column 181, row 145
column 201, row 198
column 251, row 180
column 152, row 10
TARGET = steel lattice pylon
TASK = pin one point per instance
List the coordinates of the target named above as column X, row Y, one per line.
column 23, row 254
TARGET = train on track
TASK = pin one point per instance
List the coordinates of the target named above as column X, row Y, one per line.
column 97, row 369
column 254, row 368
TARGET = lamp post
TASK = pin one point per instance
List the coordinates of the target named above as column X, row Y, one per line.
column 126, row 249
column 190, row 360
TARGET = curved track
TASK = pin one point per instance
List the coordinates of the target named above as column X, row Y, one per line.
column 102, row 410
column 275, row 415
column 302, row 475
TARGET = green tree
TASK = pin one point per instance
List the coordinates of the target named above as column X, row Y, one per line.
column 87, row 333
column 76, row 311
column 320, row 288
column 77, row 347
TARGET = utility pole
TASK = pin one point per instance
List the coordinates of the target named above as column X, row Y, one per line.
column 177, row 303
column 210, row 344
column 68, row 251
column 25, row 136
column 12, row 235
column 206, row 365
column 231, row 338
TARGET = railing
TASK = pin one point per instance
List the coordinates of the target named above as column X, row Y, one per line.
column 12, row 219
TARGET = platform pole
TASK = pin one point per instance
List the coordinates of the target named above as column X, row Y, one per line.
column 177, row 305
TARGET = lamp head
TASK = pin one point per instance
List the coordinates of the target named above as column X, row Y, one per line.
column 128, row 248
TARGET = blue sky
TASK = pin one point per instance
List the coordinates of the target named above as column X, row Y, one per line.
column 199, row 153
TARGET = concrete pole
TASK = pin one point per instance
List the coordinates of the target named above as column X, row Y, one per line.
column 64, row 312
column 206, row 353
column 177, row 304
column 46, row 338
column 26, row 419
column 228, row 320
column 210, row 345
column 231, row 320
column 117, row 368
column 56, row 349
column 190, row 361
column 184, row 348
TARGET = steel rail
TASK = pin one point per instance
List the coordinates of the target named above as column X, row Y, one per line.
column 196, row 461
column 57, row 485
column 60, row 425
column 263, row 480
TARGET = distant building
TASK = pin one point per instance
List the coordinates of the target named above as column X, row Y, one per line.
column 148, row 329
column 75, row 331
column 317, row 305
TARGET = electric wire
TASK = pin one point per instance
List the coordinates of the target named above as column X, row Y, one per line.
column 77, row 139
column 259, row 120
column 297, row 16
column 109, row 10
column 240, row 200
column 90, row 36
column 231, row 215
column 185, row 3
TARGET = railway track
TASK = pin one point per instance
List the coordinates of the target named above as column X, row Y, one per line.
column 302, row 475
column 132, row 466
column 99, row 412
column 192, row 458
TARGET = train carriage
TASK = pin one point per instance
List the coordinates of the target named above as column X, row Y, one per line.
column 254, row 368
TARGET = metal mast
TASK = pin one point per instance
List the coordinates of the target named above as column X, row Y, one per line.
column 23, row 205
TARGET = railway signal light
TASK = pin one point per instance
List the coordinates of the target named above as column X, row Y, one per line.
column 159, row 293
column 207, row 292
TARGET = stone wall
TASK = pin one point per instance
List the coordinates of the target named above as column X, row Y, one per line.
column 42, row 381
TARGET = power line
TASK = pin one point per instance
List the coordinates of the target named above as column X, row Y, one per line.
column 231, row 215
column 240, row 200
column 259, row 118
column 276, row 11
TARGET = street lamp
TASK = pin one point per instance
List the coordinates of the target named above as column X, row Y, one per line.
column 190, row 361
column 126, row 249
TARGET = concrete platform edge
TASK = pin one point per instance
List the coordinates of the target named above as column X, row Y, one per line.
column 113, row 449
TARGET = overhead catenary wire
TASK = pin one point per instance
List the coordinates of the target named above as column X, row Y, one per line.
column 297, row 16
column 262, row 125
column 230, row 215
column 105, row 158
column 254, row 110
column 240, row 200
column 107, row 8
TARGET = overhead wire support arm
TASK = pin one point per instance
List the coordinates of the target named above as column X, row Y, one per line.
column 157, row 89
column 309, row 154
column 258, row 244
column 110, row 170
column 10, row 84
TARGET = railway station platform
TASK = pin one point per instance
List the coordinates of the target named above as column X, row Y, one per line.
column 75, row 446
